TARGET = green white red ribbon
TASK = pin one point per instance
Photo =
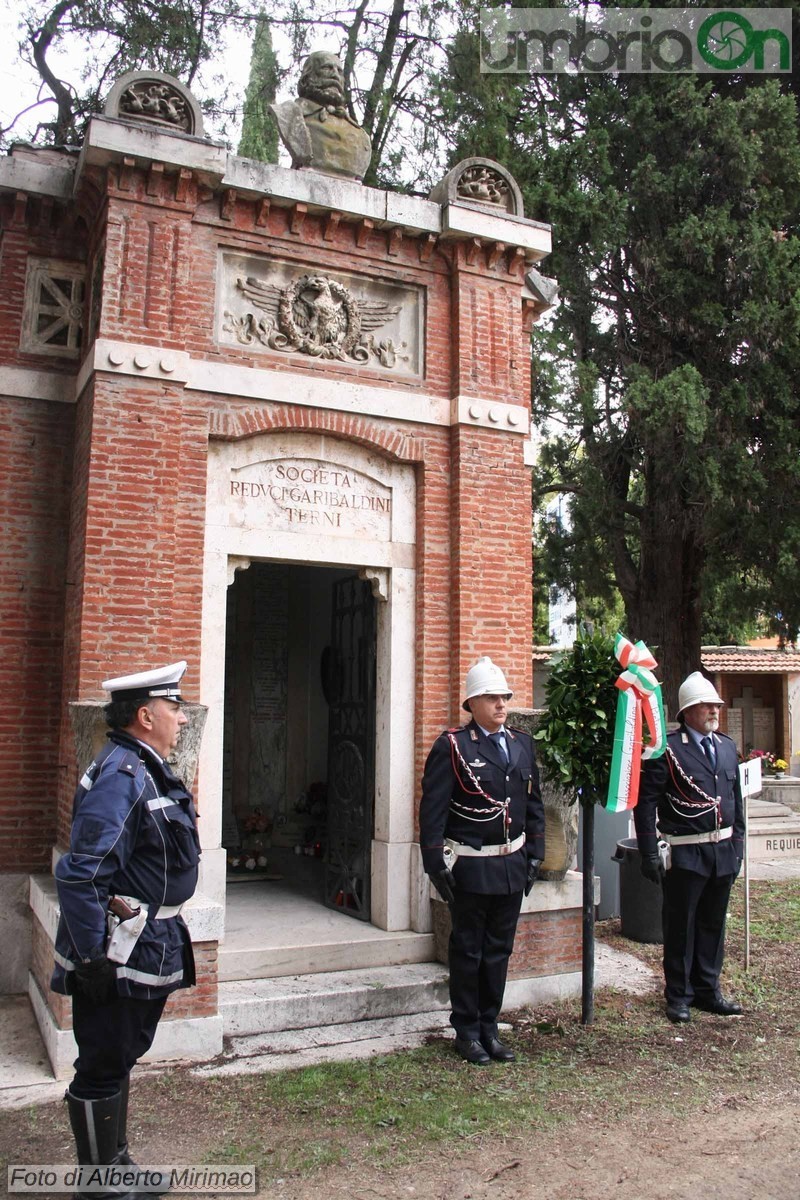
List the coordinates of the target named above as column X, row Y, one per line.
column 640, row 692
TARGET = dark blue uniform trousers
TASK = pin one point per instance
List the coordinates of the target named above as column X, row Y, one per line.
column 481, row 942
column 694, row 933
column 111, row 1038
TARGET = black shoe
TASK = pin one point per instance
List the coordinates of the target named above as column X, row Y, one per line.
column 720, row 1007
column 679, row 1014
column 497, row 1050
column 472, row 1051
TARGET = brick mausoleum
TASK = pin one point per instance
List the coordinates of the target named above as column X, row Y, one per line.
column 276, row 423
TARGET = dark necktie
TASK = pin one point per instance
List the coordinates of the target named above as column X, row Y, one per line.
column 708, row 746
column 499, row 741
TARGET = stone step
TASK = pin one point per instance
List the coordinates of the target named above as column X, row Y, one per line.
column 296, row 1048
column 274, row 1005
column 270, row 962
column 758, row 809
column 777, row 838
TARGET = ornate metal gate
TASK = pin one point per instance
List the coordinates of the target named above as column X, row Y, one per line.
column 351, row 748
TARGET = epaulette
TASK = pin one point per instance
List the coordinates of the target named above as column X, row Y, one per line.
column 129, row 763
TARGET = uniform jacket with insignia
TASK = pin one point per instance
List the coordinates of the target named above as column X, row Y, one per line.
column 445, row 779
column 663, row 792
column 134, row 834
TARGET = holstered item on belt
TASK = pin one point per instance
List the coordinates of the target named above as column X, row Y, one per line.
column 120, row 907
column 125, row 925
column 665, row 854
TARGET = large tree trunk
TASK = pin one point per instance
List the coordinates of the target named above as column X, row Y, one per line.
column 665, row 609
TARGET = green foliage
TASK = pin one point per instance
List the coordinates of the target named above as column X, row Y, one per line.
column 110, row 37
column 259, row 132
column 665, row 384
column 574, row 738
column 388, row 51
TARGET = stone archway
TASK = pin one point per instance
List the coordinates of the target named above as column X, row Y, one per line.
column 309, row 498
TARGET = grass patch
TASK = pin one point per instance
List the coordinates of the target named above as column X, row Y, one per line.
column 401, row 1108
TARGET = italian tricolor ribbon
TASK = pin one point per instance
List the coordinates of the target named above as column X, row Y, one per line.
column 639, row 691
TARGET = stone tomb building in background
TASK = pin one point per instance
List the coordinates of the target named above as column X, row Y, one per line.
column 276, row 423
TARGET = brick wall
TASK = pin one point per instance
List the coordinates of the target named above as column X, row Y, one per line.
column 474, row 509
column 42, row 970
column 105, row 500
column 546, row 943
column 35, row 467
column 199, row 1001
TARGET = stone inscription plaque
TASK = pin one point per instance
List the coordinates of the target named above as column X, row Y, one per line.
column 789, row 846
column 735, row 719
column 304, row 495
column 764, row 729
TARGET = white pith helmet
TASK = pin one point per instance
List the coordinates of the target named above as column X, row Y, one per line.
column 485, row 679
column 696, row 689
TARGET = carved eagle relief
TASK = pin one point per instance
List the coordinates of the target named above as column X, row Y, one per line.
column 314, row 315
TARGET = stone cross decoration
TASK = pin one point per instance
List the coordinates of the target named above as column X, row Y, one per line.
column 316, row 128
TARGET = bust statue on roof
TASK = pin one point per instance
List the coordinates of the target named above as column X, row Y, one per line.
column 316, row 128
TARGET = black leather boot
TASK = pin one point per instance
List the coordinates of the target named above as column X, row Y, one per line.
column 95, row 1127
column 123, row 1156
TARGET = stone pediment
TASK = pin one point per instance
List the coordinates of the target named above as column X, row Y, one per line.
column 482, row 182
column 155, row 99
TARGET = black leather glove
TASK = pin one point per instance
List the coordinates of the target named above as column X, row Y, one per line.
column 653, row 868
column 96, row 980
column 739, row 862
column 445, row 884
column 533, row 874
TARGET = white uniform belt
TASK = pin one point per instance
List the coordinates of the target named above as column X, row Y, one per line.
column 162, row 911
column 694, row 839
column 486, row 851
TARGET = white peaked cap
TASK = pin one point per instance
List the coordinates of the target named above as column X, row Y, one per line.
column 146, row 685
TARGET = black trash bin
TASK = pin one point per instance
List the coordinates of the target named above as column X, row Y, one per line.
column 639, row 898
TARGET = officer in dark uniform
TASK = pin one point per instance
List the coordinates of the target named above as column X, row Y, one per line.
column 691, row 799
column 481, row 823
column 121, row 944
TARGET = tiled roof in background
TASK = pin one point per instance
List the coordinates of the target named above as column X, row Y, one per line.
column 743, row 659
column 740, row 660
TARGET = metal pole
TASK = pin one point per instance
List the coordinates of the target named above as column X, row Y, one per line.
column 746, row 866
column 587, row 989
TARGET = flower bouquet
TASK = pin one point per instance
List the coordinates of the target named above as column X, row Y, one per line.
column 770, row 763
column 256, row 825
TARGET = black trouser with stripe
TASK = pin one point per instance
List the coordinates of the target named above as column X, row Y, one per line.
column 111, row 1039
column 481, row 942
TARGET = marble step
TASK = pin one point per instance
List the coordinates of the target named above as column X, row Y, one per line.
column 758, row 809
column 271, row 1006
column 294, row 1048
column 310, row 957
column 775, row 838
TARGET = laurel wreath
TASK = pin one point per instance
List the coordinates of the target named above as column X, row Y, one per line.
column 295, row 335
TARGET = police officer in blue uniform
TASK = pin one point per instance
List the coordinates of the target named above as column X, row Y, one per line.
column 481, row 823
column 691, row 799
column 121, row 944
